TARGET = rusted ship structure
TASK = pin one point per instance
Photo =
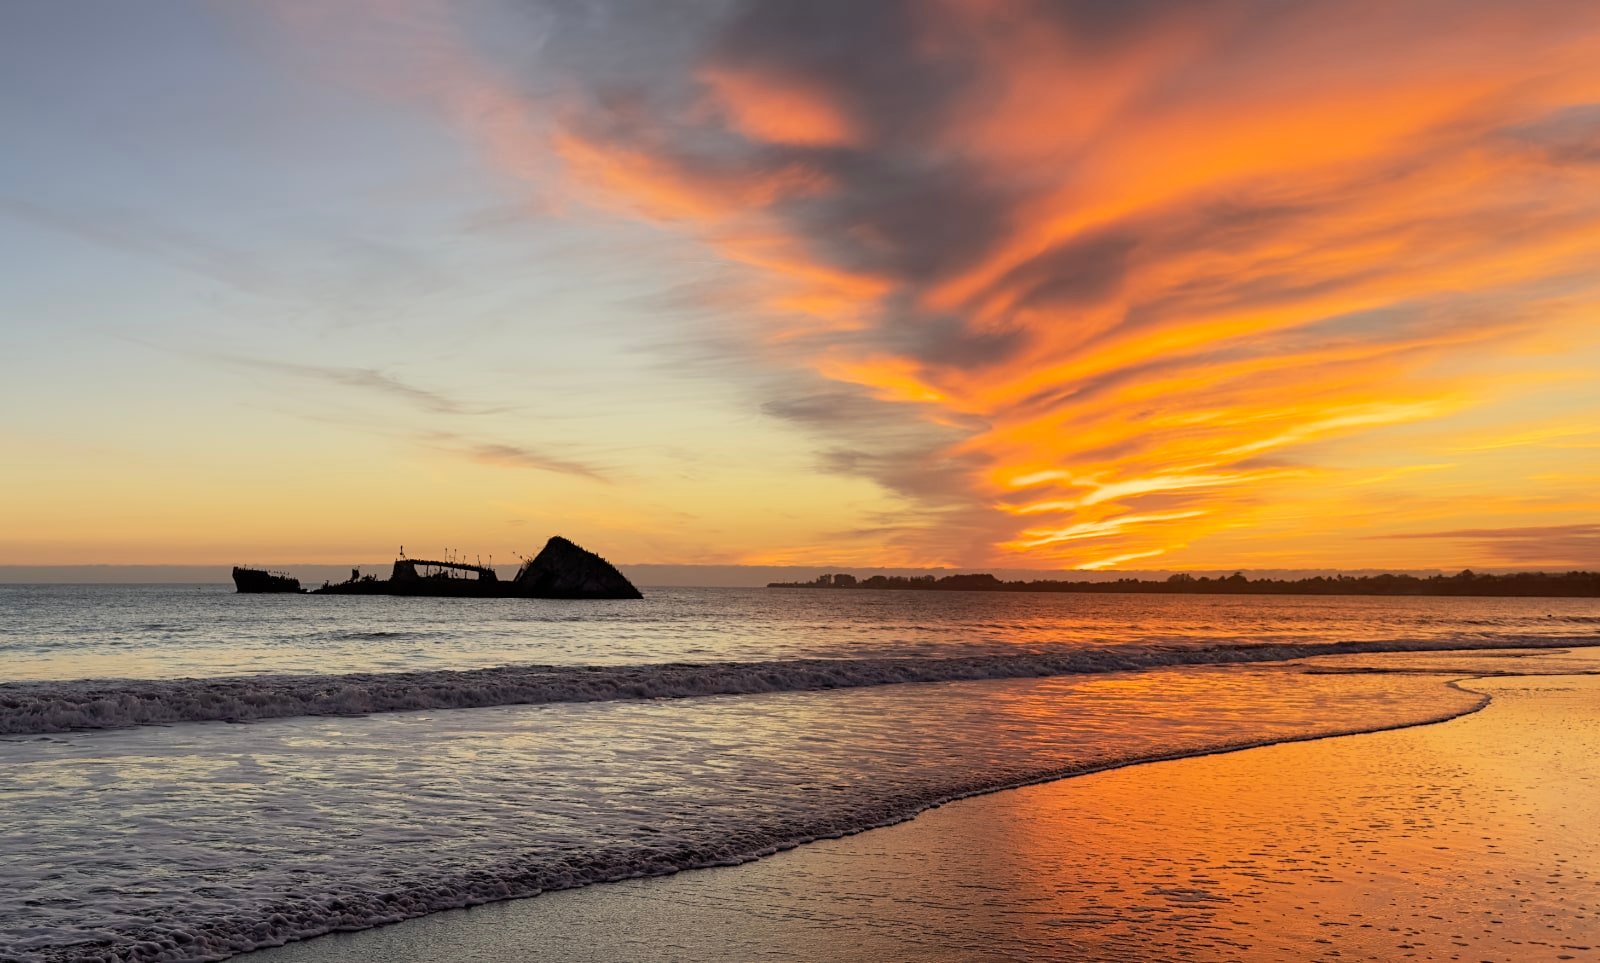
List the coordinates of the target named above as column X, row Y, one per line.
column 255, row 581
column 419, row 576
column 561, row 570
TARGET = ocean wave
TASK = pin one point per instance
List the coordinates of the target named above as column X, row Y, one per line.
column 31, row 708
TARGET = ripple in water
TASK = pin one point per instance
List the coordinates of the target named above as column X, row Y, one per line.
column 104, row 631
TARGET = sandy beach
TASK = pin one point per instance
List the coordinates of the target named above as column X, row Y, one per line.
column 1471, row 839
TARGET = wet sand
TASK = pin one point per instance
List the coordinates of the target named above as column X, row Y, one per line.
column 1473, row 839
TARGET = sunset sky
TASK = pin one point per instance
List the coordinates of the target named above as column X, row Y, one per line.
column 1185, row 285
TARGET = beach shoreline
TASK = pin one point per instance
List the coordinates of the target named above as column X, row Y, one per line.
column 635, row 919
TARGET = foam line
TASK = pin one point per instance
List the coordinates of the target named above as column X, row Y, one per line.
column 62, row 706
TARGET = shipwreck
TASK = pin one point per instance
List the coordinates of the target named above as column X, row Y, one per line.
column 257, row 581
column 561, row 570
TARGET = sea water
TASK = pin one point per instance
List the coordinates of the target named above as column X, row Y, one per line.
column 791, row 715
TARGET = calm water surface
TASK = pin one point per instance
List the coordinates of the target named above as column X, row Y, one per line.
column 165, row 631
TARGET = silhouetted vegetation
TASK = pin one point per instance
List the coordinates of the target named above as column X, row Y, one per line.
column 1466, row 583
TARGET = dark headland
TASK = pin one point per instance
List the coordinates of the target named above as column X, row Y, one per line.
column 561, row 570
column 1466, row 583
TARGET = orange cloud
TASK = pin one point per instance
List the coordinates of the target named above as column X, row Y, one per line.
column 1166, row 275
column 765, row 109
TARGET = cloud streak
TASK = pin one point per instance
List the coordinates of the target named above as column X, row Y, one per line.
column 1555, row 545
column 519, row 456
column 372, row 380
column 378, row 382
column 1100, row 282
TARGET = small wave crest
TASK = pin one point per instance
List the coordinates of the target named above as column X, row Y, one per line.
column 30, row 708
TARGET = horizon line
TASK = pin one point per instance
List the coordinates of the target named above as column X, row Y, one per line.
column 702, row 575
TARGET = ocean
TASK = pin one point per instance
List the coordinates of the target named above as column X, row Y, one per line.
column 186, row 773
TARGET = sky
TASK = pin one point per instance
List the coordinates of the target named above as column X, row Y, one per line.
column 959, row 283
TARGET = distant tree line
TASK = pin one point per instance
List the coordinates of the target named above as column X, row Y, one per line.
column 1466, row 583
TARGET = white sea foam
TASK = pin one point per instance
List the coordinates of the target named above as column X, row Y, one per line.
column 63, row 706
column 199, row 842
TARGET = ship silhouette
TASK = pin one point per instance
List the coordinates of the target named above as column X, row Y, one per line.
column 258, row 581
column 561, row 570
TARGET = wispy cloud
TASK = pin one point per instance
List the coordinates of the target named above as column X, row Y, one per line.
column 365, row 379
column 383, row 384
column 128, row 233
column 518, row 456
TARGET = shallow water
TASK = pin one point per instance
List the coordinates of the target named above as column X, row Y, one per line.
column 1470, row 840
column 206, row 839
column 202, row 839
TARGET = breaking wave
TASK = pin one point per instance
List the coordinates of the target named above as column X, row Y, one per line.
column 28, row 708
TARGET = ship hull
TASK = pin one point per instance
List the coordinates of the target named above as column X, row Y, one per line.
column 253, row 581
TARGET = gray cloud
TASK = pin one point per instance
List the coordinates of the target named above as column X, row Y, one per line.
column 1567, row 136
column 867, row 54
column 1082, row 271
column 519, row 456
column 828, row 408
column 1576, row 545
column 945, row 340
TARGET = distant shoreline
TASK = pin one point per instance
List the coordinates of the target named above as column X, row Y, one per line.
column 1466, row 584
